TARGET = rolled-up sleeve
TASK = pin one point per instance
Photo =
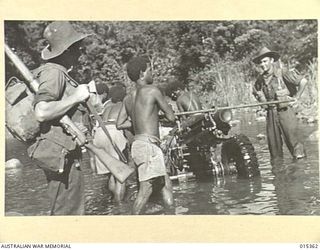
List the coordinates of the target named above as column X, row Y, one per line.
column 52, row 84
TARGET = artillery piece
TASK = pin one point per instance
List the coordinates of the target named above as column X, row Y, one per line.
column 200, row 144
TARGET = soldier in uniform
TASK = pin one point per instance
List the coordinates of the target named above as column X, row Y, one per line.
column 59, row 95
column 279, row 84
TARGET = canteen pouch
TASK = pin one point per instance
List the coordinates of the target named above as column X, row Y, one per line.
column 48, row 154
column 50, row 150
column 19, row 114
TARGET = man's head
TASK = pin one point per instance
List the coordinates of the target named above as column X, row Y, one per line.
column 102, row 91
column 117, row 93
column 266, row 58
column 174, row 88
column 139, row 69
column 62, row 39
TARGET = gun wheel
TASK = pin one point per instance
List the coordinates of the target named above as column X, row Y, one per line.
column 237, row 154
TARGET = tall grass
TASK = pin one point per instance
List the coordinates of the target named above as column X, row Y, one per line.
column 312, row 86
column 223, row 83
column 230, row 83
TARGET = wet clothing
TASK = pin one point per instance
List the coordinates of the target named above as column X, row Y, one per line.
column 66, row 190
column 102, row 141
column 281, row 120
column 148, row 157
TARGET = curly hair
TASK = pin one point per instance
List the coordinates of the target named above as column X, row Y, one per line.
column 172, row 85
column 117, row 93
column 135, row 66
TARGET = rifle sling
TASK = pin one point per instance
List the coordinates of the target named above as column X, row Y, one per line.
column 98, row 118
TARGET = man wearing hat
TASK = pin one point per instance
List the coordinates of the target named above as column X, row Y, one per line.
column 277, row 83
column 56, row 151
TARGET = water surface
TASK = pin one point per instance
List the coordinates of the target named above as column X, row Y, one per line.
column 287, row 188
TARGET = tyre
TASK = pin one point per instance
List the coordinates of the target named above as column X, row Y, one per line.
column 237, row 154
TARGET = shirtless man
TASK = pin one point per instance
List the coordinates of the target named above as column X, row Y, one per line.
column 186, row 100
column 146, row 101
column 109, row 117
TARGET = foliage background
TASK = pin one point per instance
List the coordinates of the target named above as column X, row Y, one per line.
column 211, row 57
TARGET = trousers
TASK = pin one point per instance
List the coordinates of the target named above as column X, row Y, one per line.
column 282, row 125
column 66, row 190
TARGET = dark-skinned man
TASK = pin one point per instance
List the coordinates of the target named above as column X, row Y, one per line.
column 109, row 117
column 147, row 100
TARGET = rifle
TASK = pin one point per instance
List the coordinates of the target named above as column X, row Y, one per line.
column 232, row 107
column 119, row 169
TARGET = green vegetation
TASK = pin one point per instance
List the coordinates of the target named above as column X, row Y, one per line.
column 213, row 58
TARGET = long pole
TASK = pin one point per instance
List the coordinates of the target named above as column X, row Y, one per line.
column 232, row 107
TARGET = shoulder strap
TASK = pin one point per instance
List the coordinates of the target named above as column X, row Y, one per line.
column 190, row 102
column 48, row 66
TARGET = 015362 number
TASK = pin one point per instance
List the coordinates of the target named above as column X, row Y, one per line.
column 309, row 245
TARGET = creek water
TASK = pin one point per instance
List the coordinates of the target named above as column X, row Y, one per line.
column 285, row 188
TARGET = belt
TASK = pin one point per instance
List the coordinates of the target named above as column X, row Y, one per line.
column 147, row 138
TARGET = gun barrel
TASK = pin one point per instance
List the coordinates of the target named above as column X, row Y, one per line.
column 231, row 107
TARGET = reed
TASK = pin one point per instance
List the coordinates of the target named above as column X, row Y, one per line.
column 227, row 82
column 223, row 83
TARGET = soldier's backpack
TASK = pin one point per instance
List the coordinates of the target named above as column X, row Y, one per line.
column 20, row 118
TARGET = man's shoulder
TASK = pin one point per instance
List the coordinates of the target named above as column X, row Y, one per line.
column 50, row 71
column 185, row 96
column 149, row 89
column 51, row 67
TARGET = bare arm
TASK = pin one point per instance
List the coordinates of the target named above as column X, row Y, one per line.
column 180, row 106
column 45, row 111
column 123, row 121
column 163, row 105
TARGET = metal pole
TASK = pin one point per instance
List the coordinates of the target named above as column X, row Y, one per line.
column 231, row 107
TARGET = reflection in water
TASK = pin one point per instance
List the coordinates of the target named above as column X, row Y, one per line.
column 287, row 187
column 292, row 186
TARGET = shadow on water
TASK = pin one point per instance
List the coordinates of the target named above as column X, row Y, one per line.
column 285, row 188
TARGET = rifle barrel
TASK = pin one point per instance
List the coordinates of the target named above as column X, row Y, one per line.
column 231, row 107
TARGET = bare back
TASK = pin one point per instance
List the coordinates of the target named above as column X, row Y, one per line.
column 111, row 112
column 147, row 103
column 188, row 101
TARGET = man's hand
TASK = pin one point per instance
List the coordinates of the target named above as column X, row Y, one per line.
column 295, row 102
column 260, row 96
column 81, row 93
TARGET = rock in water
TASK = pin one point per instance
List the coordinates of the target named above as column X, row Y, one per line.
column 13, row 164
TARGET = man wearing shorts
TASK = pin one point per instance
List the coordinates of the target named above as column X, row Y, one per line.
column 147, row 100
